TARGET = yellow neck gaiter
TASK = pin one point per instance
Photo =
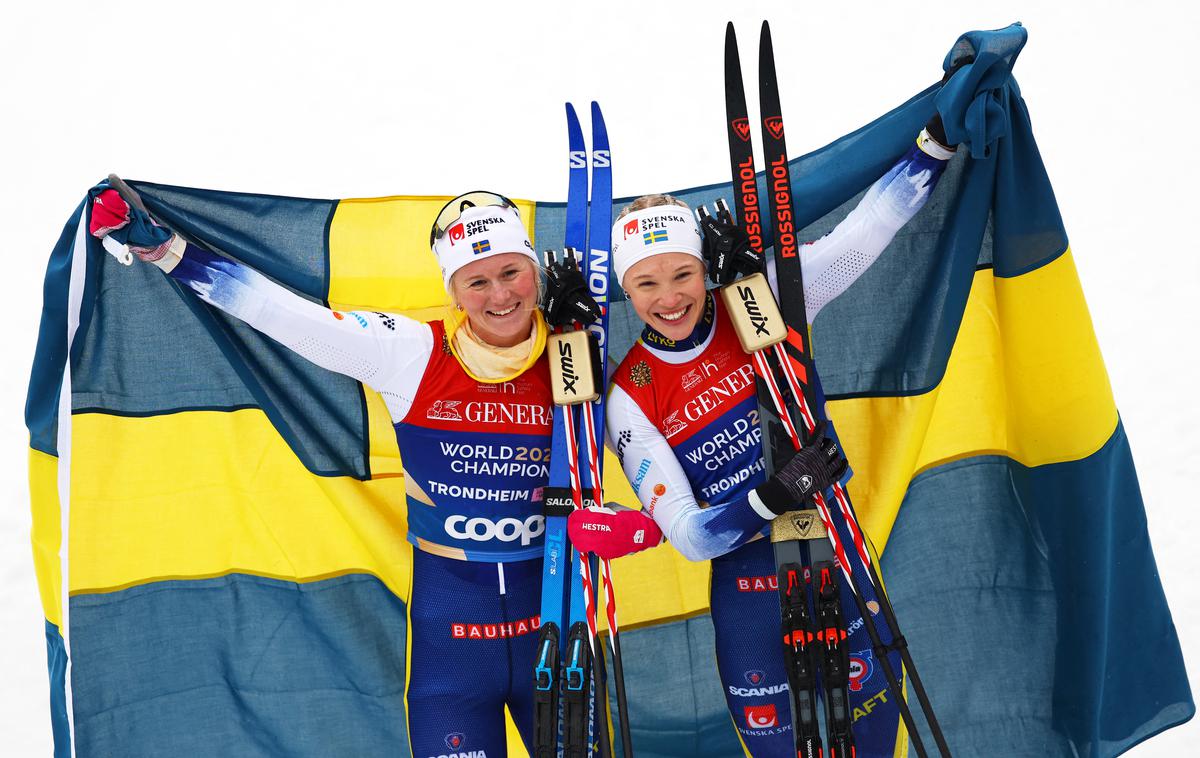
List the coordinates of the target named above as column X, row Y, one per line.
column 490, row 364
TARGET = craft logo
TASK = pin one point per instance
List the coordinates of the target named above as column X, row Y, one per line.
column 862, row 665
column 657, row 235
column 456, row 740
column 631, row 227
column 444, row 410
column 622, row 440
column 755, row 677
column 741, row 127
column 455, row 233
column 761, row 716
column 774, row 125
column 482, row 246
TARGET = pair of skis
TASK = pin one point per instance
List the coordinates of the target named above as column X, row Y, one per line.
column 569, row 671
column 793, row 406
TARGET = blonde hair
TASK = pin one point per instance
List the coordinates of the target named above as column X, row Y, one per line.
column 650, row 201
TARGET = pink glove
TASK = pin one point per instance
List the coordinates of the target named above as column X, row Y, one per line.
column 611, row 534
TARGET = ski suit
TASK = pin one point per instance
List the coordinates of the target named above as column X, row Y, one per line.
column 683, row 419
column 475, row 461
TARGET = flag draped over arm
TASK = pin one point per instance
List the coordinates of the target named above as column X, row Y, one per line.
column 219, row 526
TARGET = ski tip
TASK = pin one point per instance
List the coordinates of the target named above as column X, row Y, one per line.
column 571, row 111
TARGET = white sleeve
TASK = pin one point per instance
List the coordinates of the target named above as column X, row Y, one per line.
column 652, row 468
column 386, row 352
column 832, row 263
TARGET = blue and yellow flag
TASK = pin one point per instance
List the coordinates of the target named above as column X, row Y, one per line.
column 219, row 526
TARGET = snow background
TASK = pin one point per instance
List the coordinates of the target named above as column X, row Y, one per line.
column 356, row 99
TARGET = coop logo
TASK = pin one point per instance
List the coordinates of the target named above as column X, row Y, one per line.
column 761, row 716
column 774, row 125
column 481, row 529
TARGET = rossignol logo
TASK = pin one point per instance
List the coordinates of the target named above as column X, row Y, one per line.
column 748, row 187
column 785, row 224
column 753, row 310
column 480, row 529
column 500, row 631
column 741, row 127
column 566, row 364
column 774, row 125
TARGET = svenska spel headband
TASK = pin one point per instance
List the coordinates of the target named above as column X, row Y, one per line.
column 651, row 231
column 474, row 226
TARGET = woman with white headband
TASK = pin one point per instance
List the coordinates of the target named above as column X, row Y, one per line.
column 682, row 413
column 474, row 510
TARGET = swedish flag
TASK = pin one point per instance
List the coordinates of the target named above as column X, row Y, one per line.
column 658, row 235
column 482, row 246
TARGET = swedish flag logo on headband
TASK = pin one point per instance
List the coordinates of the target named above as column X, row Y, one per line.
column 482, row 246
column 658, row 235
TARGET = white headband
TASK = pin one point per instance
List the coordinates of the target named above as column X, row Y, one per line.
column 650, row 231
column 481, row 232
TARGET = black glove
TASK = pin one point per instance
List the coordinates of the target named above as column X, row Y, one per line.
column 814, row 468
column 567, row 297
column 726, row 248
column 934, row 126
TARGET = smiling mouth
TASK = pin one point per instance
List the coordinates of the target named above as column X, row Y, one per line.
column 674, row 317
column 504, row 312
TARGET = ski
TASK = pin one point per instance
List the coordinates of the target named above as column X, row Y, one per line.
column 800, row 631
column 575, row 665
column 562, row 669
column 795, row 392
column 596, row 274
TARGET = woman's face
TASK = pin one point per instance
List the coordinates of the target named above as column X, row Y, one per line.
column 667, row 291
column 499, row 295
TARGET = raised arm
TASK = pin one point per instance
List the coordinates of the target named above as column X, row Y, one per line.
column 384, row 351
